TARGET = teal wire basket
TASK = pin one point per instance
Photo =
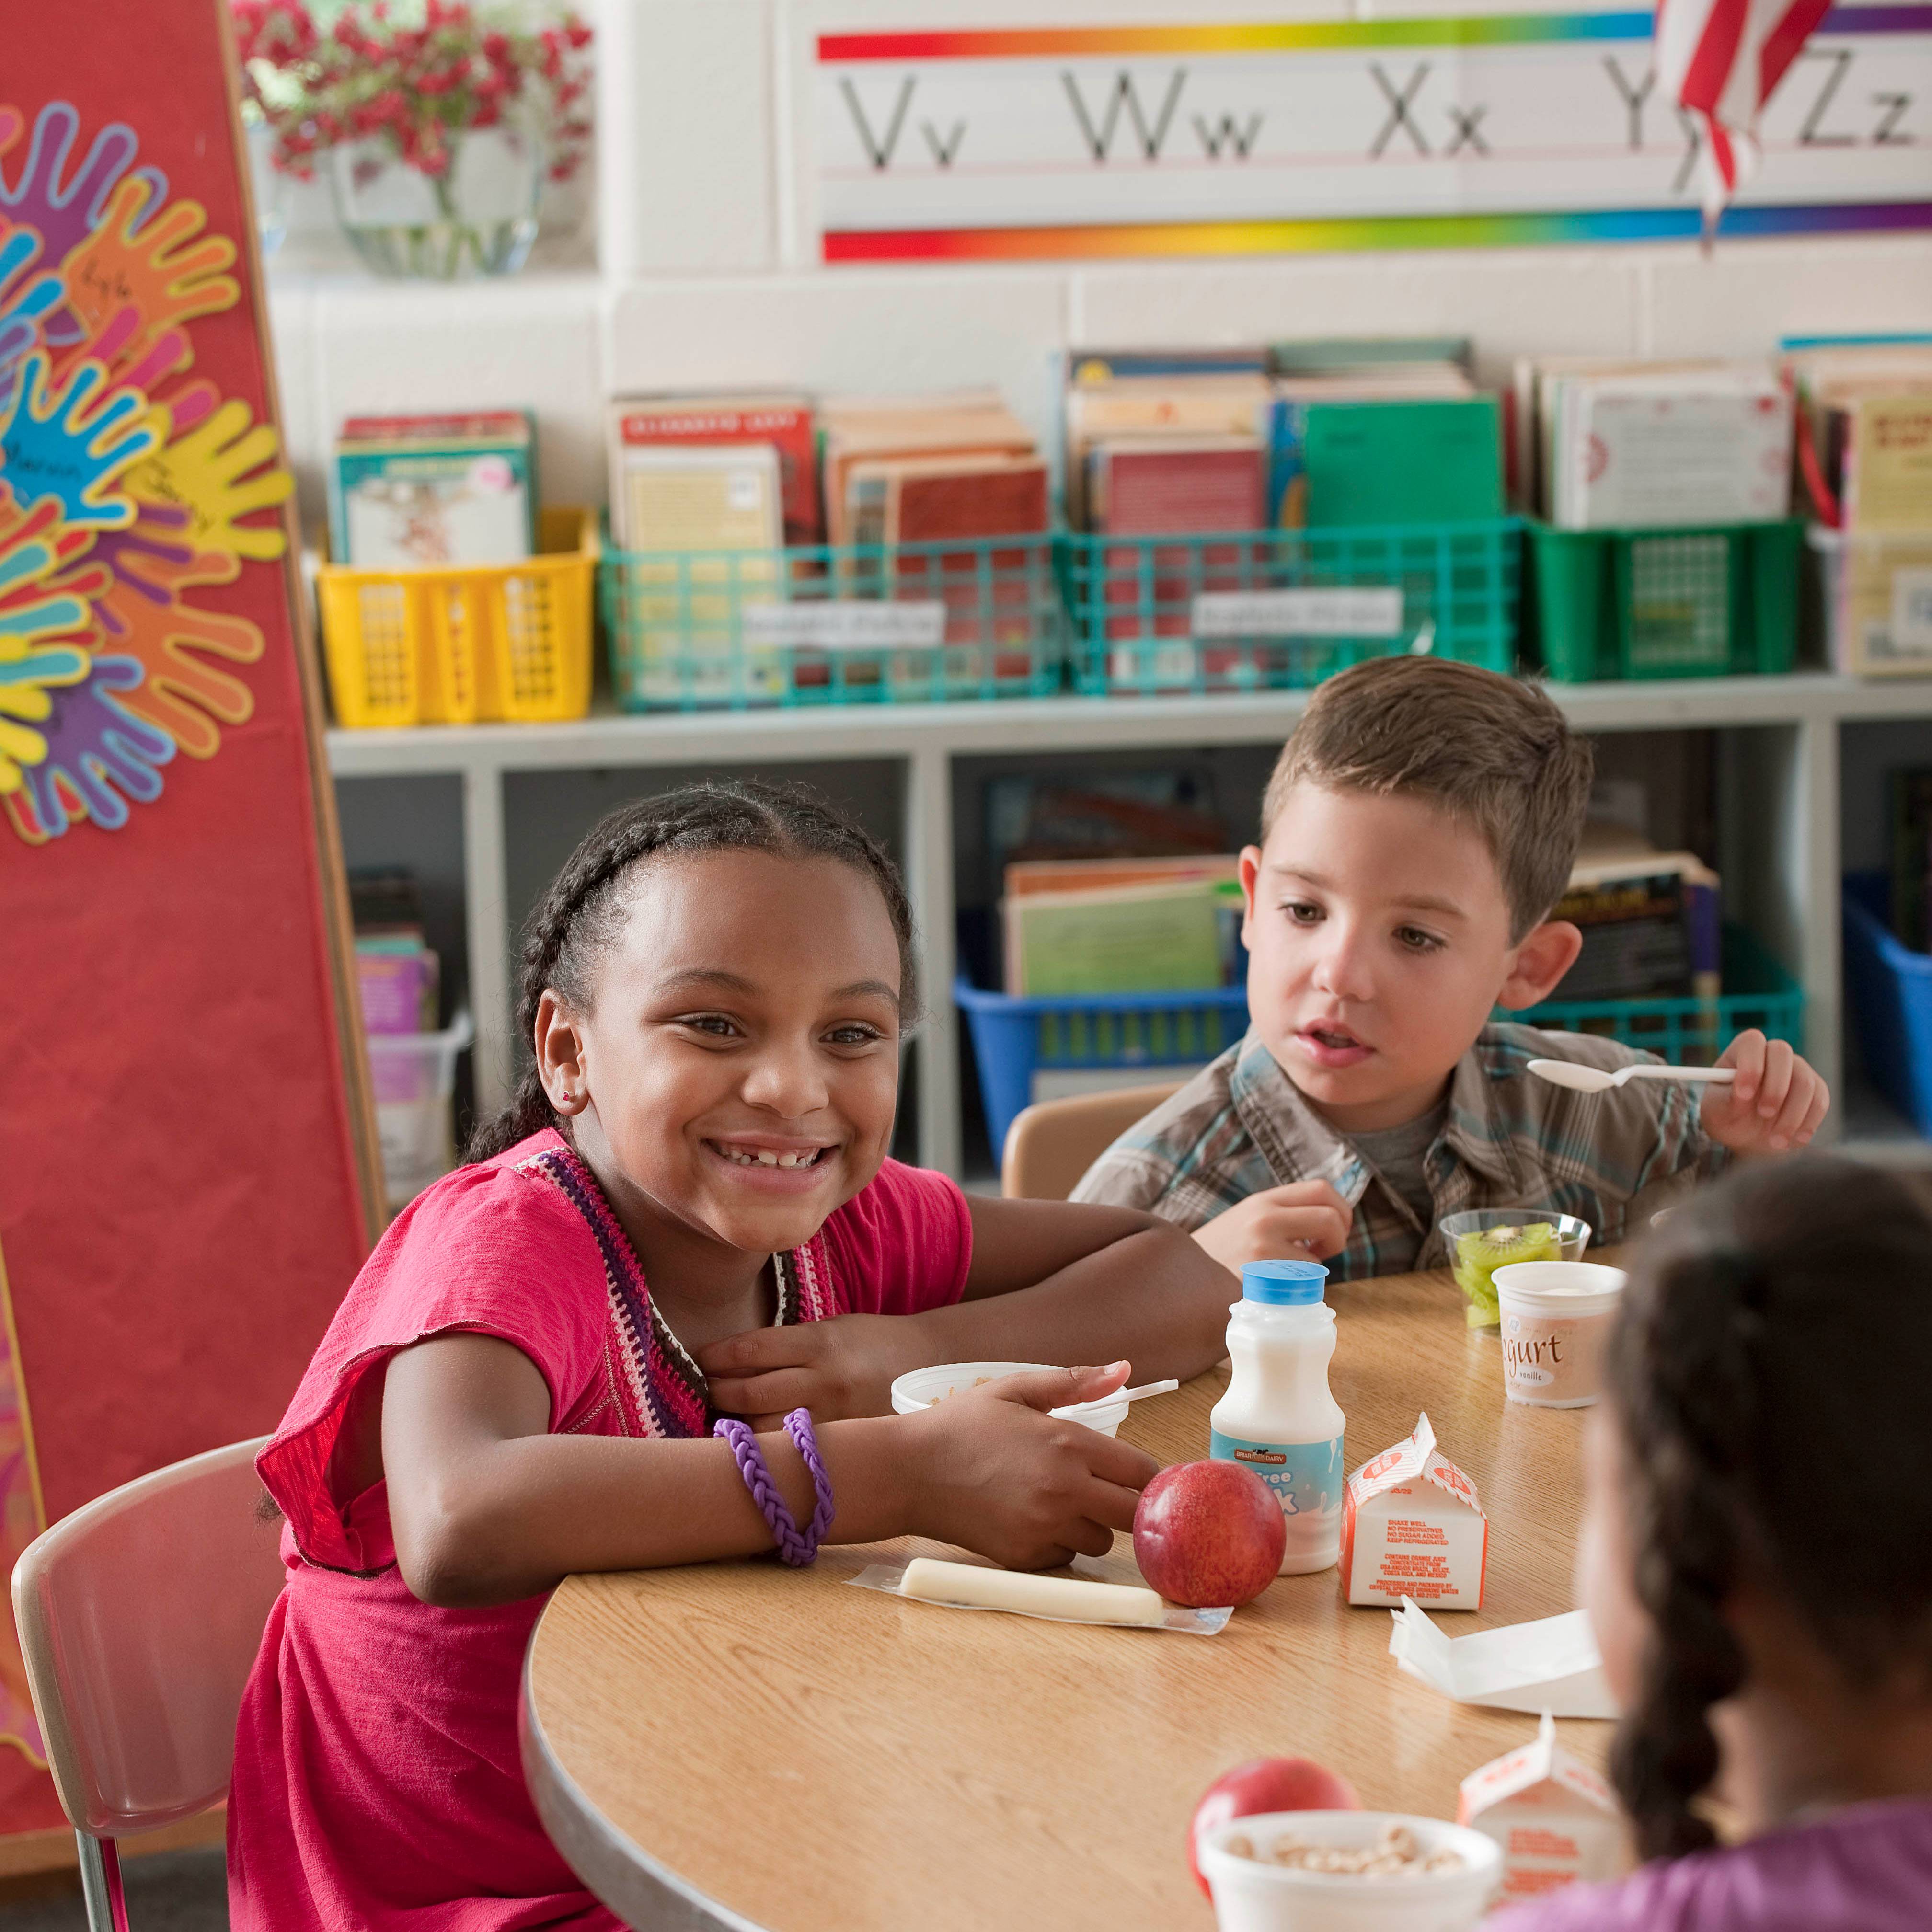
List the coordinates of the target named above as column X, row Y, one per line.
column 907, row 624
column 1272, row 610
column 1758, row 992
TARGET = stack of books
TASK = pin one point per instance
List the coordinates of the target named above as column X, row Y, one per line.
column 707, row 492
column 1082, row 926
column 1650, row 920
column 1236, row 444
column 1865, row 463
column 433, row 492
column 1604, row 445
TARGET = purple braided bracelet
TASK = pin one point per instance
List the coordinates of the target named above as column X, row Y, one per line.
column 797, row 1550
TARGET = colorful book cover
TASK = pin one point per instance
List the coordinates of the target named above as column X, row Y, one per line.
column 1432, row 461
column 433, row 491
column 784, row 421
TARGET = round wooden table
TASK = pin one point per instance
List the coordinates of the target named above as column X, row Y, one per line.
column 742, row 1746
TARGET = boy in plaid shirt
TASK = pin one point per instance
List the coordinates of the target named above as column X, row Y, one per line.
column 1420, row 823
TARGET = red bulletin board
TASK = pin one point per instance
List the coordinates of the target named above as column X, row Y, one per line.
column 187, row 1165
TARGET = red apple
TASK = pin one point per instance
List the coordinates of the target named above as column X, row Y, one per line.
column 1266, row 1784
column 1208, row 1533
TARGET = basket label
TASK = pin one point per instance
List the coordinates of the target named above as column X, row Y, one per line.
column 1299, row 613
column 848, row 624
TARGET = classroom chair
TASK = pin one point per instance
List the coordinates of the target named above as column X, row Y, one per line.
column 1049, row 1146
column 139, row 1618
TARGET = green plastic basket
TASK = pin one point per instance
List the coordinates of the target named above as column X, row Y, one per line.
column 1272, row 610
column 1715, row 602
column 907, row 623
column 1758, row 992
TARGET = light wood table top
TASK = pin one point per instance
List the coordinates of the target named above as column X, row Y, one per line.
column 742, row 1745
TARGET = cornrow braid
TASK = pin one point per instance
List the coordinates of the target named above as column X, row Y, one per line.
column 582, row 914
column 1777, row 1331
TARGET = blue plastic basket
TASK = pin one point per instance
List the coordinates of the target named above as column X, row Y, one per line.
column 1014, row 1038
column 905, row 623
column 1153, row 616
column 1888, row 987
column 1758, row 992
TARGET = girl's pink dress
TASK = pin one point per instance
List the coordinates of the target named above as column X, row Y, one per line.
column 376, row 1779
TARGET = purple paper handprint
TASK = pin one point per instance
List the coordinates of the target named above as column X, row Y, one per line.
column 63, row 212
column 73, row 443
column 125, row 551
column 94, row 746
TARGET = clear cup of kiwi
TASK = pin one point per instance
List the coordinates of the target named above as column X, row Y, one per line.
column 1484, row 1239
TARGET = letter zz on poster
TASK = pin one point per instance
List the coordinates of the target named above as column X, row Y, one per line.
column 186, row 1166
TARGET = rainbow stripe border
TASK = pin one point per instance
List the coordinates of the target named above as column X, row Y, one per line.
column 1340, row 233
column 1275, row 37
column 1345, row 234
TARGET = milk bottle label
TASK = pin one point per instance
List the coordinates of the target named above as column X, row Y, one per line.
column 1305, row 1477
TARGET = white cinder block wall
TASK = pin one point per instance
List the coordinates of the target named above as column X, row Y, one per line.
column 707, row 277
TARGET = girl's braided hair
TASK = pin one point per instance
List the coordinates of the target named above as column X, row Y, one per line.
column 1776, row 1338
column 583, row 913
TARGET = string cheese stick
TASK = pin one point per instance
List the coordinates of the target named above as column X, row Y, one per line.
column 1065, row 1597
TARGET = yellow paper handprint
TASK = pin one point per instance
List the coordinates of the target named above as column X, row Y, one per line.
column 207, row 473
column 162, row 271
column 180, row 694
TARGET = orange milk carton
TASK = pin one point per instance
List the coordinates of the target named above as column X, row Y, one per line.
column 1413, row 1526
column 1556, row 1820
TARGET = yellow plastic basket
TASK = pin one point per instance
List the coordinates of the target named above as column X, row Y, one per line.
column 496, row 642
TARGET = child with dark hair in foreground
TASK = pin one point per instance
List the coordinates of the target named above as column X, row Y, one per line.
column 1756, row 1560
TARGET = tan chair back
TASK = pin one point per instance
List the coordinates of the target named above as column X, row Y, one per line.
column 1050, row 1146
column 139, row 1616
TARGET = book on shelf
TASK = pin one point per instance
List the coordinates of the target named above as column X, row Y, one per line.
column 995, row 595
column 708, row 522
column 1182, row 406
column 1295, row 395
column 1134, row 815
column 1619, row 445
column 861, row 436
column 1155, row 936
column 784, row 421
column 1652, row 922
column 433, row 491
column 1436, row 460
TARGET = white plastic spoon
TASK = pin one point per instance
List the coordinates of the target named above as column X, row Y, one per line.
column 1594, row 1080
column 1080, row 1408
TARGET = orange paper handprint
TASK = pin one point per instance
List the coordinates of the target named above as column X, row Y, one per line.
column 162, row 270
column 207, row 473
column 180, row 694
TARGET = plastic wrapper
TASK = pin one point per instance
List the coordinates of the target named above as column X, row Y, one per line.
column 887, row 1577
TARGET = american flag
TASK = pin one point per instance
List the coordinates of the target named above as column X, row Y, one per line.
column 1721, row 60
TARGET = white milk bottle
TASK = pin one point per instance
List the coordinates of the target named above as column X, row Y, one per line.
column 1277, row 1416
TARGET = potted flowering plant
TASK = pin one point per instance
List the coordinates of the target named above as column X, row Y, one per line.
column 438, row 120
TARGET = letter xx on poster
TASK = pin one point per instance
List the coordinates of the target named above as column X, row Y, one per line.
column 1483, row 130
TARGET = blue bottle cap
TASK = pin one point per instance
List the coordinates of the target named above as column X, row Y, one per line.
column 1282, row 1284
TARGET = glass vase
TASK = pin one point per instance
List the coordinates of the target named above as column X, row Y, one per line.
column 478, row 218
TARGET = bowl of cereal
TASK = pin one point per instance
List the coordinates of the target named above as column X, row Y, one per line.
column 1348, row 1871
column 922, row 1387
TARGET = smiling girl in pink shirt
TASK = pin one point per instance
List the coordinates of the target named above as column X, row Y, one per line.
column 686, row 1214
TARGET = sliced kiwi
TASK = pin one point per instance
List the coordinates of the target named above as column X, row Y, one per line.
column 1479, row 1255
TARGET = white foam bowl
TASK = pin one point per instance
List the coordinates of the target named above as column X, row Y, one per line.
column 922, row 1388
column 1251, row 1895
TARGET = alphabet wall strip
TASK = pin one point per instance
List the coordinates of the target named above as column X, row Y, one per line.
column 1488, row 129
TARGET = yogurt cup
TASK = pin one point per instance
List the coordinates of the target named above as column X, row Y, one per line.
column 1253, row 1896
column 922, row 1387
column 1556, row 1317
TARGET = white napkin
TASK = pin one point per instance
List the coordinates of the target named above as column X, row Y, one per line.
column 1552, row 1665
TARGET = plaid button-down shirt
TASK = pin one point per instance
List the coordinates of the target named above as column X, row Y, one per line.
column 1507, row 1140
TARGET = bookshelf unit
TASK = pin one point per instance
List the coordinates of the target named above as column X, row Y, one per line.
column 1788, row 748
